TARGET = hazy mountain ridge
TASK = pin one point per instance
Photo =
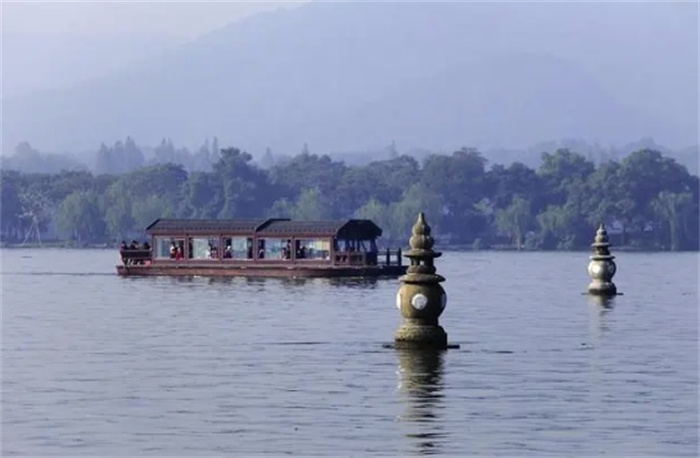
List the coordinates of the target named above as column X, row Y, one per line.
column 357, row 76
column 488, row 100
column 28, row 59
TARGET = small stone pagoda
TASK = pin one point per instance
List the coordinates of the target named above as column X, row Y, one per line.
column 421, row 298
column 602, row 268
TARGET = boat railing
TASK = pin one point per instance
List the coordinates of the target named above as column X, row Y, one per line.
column 351, row 258
column 138, row 256
column 392, row 258
column 369, row 258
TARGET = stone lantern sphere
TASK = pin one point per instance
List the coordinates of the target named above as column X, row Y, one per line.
column 602, row 268
column 421, row 299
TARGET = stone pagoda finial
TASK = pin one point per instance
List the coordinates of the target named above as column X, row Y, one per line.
column 602, row 268
column 421, row 298
column 601, row 239
column 421, row 240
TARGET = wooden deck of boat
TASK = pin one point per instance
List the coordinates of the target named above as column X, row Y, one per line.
column 273, row 271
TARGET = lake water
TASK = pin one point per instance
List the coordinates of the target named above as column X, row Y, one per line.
column 94, row 364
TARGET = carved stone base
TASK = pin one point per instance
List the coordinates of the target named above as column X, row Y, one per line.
column 600, row 288
column 416, row 336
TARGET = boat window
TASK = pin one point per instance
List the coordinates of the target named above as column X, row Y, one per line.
column 274, row 249
column 165, row 247
column 313, row 249
column 203, row 248
column 237, row 247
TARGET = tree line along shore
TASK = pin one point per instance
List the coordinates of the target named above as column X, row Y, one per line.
column 647, row 200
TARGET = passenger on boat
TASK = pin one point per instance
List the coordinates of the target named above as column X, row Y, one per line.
column 123, row 247
column 228, row 253
column 287, row 250
column 146, row 246
column 173, row 250
column 134, row 245
column 178, row 253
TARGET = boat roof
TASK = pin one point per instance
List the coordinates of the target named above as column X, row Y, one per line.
column 209, row 225
column 272, row 227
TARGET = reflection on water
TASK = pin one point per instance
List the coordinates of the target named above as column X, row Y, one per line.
column 604, row 302
column 599, row 308
column 358, row 283
column 421, row 387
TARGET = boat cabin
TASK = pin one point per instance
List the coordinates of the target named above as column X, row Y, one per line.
column 271, row 241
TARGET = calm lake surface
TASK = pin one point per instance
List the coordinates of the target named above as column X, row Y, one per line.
column 94, row 364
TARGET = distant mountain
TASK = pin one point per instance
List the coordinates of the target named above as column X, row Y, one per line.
column 32, row 63
column 354, row 76
column 511, row 100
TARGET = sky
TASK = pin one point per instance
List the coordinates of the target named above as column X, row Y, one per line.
column 184, row 20
column 56, row 44
column 63, row 45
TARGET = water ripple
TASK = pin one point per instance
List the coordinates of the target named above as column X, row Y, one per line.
column 98, row 365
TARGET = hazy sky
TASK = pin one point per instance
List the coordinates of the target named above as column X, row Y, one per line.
column 103, row 18
column 51, row 44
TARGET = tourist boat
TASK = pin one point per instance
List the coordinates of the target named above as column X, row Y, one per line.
column 273, row 247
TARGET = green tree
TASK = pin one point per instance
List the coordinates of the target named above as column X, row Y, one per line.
column 517, row 179
column 642, row 176
column 459, row 179
column 310, row 206
column 149, row 208
column 560, row 170
column 515, row 220
column 202, row 196
column 673, row 209
column 118, row 210
column 374, row 210
column 381, row 214
column 416, row 199
column 11, row 204
column 79, row 214
column 36, row 211
column 554, row 223
column 281, row 208
column 308, row 169
column 246, row 188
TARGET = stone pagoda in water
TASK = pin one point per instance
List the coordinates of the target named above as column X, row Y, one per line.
column 602, row 268
column 421, row 298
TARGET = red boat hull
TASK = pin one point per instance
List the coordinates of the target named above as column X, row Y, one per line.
column 274, row 271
